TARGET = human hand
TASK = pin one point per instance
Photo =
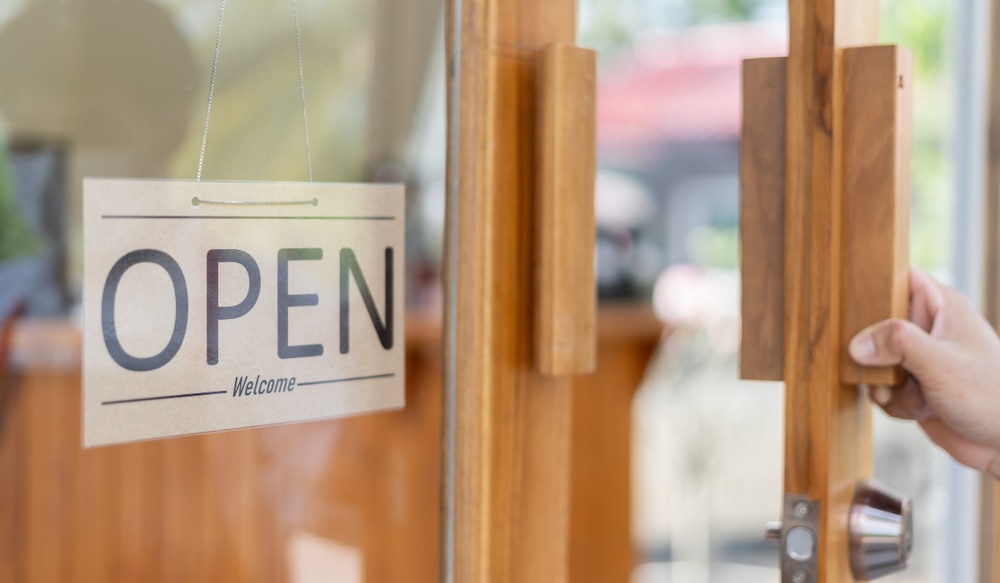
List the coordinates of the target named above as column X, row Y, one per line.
column 952, row 356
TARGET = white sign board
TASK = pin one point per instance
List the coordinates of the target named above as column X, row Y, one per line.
column 219, row 305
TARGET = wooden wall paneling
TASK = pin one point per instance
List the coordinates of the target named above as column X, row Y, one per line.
column 45, row 507
column 224, row 507
column 140, row 526
column 875, row 266
column 220, row 457
column 512, row 425
column 68, row 420
column 248, row 521
column 274, row 465
column 218, row 507
column 240, row 513
column 762, row 219
column 407, row 447
column 600, row 544
column 177, row 470
column 110, row 534
column 827, row 424
column 566, row 315
column 91, row 496
column 11, row 464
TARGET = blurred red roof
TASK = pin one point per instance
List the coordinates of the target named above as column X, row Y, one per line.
column 679, row 86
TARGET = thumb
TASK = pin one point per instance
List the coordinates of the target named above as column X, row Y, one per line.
column 892, row 342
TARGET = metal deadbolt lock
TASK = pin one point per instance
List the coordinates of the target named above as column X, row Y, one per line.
column 881, row 531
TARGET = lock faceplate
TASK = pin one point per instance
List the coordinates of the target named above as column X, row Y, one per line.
column 799, row 537
column 881, row 531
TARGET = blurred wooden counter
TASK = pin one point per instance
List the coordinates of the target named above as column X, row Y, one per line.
column 228, row 506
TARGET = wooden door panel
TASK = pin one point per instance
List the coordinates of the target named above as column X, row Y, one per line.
column 512, row 424
column 845, row 111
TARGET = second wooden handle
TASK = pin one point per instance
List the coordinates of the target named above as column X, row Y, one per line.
column 565, row 319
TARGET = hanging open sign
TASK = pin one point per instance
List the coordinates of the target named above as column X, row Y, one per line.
column 220, row 305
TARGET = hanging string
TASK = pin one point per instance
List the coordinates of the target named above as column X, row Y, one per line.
column 302, row 88
column 211, row 89
column 211, row 94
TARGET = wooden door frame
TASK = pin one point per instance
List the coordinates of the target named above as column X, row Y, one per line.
column 508, row 427
column 818, row 91
column 989, row 538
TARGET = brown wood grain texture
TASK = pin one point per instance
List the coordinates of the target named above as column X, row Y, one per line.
column 222, row 507
column 762, row 219
column 989, row 528
column 877, row 136
column 989, row 548
column 512, row 428
column 211, row 508
column 566, row 316
column 600, row 512
column 827, row 424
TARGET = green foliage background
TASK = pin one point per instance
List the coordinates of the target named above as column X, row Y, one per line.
column 922, row 27
column 16, row 239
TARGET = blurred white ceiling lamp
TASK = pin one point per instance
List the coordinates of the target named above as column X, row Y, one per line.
column 621, row 202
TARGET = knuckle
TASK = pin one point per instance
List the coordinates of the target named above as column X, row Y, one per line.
column 895, row 337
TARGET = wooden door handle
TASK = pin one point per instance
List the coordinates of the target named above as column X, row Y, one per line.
column 875, row 207
column 875, row 280
column 565, row 317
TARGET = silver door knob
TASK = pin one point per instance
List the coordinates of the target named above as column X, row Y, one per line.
column 881, row 531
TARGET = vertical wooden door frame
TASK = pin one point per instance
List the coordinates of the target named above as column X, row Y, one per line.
column 827, row 423
column 508, row 427
column 989, row 557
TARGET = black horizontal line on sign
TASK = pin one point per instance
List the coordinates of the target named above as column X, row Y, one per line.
column 120, row 401
column 258, row 217
column 374, row 376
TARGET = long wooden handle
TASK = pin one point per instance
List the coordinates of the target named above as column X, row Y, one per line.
column 762, row 219
column 565, row 319
column 875, row 207
column 875, row 265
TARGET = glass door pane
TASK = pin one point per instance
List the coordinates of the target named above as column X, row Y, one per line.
column 119, row 89
column 708, row 447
